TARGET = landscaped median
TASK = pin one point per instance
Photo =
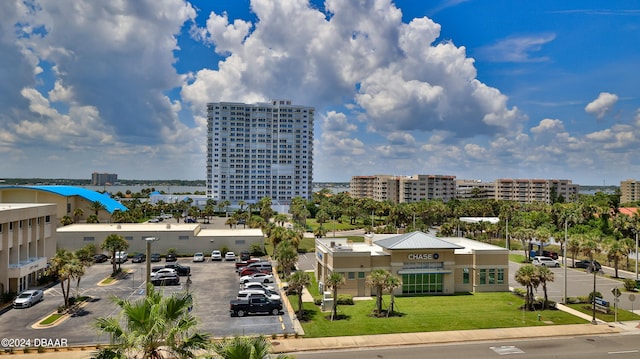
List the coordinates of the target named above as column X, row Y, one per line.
column 431, row 314
column 59, row 316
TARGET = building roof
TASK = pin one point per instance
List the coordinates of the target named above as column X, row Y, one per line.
column 416, row 240
column 109, row 203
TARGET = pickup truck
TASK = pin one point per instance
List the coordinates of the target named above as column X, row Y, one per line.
column 179, row 268
column 255, row 303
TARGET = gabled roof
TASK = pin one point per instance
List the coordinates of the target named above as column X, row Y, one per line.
column 68, row 191
column 416, row 240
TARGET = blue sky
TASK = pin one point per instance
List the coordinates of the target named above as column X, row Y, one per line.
column 476, row 89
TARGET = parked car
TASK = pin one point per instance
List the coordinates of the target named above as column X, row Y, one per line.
column 249, row 271
column 153, row 220
column 545, row 253
column 241, row 264
column 263, row 266
column 166, row 279
column 258, row 277
column 138, row 258
column 545, row 261
column 198, row 257
column 28, row 298
column 229, row 256
column 100, row 258
column 189, row 220
column 121, row 257
column 586, row 264
column 244, row 255
column 155, row 257
column 170, row 257
column 216, row 255
column 161, row 272
column 257, row 285
column 245, row 293
column 254, row 304
column 179, row 268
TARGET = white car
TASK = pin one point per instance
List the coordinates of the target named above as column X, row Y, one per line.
column 198, row 257
column 545, row 261
column 216, row 255
column 244, row 294
column 28, row 298
column 230, row 256
column 163, row 272
column 258, row 277
column 257, row 285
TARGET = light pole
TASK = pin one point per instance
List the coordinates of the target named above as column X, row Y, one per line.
column 148, row 241
column 593, row 295
column 636, row 257
column 564, row 261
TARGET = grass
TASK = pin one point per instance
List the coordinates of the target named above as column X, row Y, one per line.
column 429, row 314
column 107, row 280
column 51, row 319
column 623, row 315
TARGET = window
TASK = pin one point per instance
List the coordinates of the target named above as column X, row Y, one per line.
column 240, row 241
column 351, row 275
column 500, row 276
column 183, row 238
column 360, row 275
column 88, row 239
column 483, row 276
column 128, row 238
column 47, row 219
column 465, row 276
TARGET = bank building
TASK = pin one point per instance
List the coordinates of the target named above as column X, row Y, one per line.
column 426, row 264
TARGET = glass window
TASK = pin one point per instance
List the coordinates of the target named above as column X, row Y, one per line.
column 89, row 239
column 492, row 276
column 361, row 275
column 351, row 275
column 500, row 276
column 465, row 275
column 483, row 276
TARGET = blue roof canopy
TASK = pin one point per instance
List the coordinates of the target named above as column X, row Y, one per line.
column 109, row 203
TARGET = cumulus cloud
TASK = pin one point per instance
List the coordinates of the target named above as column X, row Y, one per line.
column 602, row 105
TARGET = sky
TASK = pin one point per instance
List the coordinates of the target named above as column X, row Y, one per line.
column 476, row 89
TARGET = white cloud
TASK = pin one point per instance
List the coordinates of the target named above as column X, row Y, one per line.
column 517, row 49
column 602, row 105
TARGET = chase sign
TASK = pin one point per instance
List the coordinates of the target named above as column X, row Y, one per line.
column 423, row 256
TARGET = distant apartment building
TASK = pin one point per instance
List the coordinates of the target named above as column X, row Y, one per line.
column 27, row 240
column 102, row 179
column 475, row 189
column 535, row 190
column 629, row 191
column 259, row 150
column 403, row 189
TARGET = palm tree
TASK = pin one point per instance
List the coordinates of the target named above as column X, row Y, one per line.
column 616, row 252
column 286, row 256
column 377, row 280
column 96, row 207
column 66, row 220
column 334, row 281
column 61, row 267
column 77, row 213
column 545, row 275
column 245, row 348
column 390, row 285
column 297, row 282
column 154, row 327
column 84, row 257
column 526, row 276
column 114, row 243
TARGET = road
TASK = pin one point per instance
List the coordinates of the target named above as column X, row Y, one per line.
column 589, row 347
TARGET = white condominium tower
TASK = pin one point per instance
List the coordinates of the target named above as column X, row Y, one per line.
column 259, row 150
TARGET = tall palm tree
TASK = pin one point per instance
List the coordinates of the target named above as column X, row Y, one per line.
column 527, row 276
column 377, row 280
column 390, row 285
column 61, row 267
column 154, row 327
column 96, row 207
column 297, row 282
column 114, row 243
column 545, row 275
column 77, row 213
column 286, row 255
column 616, row 252
column 334, row 281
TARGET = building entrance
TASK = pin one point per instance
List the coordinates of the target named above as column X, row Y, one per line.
column 422, row 283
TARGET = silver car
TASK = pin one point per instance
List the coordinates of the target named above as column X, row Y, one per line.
column 28, row 298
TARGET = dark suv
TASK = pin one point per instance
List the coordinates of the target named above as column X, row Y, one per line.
column 139, row 258
column 166, row 279
column 586, row 264
column 179, row 268
column 170, row 258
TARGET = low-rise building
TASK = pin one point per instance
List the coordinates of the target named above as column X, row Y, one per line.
column 426, row 264
column 27, row 240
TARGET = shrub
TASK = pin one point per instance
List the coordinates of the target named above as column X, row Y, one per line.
column 256, row 249
column 317, row 300
column 344, row 299
column 629, row 284
column 520, row 292
column 594, row 294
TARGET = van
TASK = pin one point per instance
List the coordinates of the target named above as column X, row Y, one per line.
column 262, row 266
column 121, row 257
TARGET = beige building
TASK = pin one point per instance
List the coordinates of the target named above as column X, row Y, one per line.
column 535, row 190
column 629, row 191
column 475, row 189
column 403, row 189
column 185, row 238
column 425, row 263
column 27, row 240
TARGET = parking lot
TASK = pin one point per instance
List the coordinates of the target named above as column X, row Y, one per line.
column 213, row 285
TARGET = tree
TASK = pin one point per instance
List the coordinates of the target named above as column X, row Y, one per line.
column 245, row 348
column 334, row 281
column 114, row 243
column 77, row 213
column 297, row 282
column 61, row 267
column 527, row 276
column 545, row 275
column 390, row 285
column 96, row 207
column 84, row 259
column 377, row 279
column 286, row 255
column 154, row 327
column 66, row 220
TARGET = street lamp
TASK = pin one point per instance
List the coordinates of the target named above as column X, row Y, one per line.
column 593, row 295
column 564, row 260
column 149, row 240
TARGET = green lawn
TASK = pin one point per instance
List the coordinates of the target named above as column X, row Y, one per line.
column 431, row 313
column 623, row 315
